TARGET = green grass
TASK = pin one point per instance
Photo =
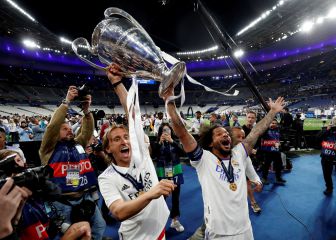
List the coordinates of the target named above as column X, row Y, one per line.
column 309, row 123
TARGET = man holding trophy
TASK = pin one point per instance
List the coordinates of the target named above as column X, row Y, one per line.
column 137, row 202
column 221, row 169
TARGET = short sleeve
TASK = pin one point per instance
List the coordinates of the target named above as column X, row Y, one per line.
column 108, row 190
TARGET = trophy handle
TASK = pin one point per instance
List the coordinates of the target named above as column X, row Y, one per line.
column 83, row 43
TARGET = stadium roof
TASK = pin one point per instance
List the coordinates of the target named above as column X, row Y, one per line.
column 174, row 25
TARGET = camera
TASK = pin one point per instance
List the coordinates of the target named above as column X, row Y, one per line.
column 97, row 147
column 83, row 91
column 37, row 180
column 8, row 166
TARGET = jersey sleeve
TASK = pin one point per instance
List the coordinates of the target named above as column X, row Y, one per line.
column 108, row 190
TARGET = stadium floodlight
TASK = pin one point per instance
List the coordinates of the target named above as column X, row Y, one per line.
column 238, row 53
column 30, row 43
column 21, row 10
column 307, row 26
column 332, row 13
column 64, row 40
column 320, row 20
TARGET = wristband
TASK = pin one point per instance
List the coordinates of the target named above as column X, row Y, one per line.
column 114, row 85
column 65, row 101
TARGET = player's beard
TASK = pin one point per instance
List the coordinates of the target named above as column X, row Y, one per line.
column 225, row 153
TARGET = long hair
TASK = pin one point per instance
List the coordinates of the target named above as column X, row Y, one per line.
column 161, row 129
column 205, row 139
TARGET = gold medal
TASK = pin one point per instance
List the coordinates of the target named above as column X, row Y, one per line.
column 233, row 186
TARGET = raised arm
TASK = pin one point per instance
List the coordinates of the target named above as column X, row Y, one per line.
column 51, row 134
column 188, row 141
column 262, row 125
column 114, row 75
column 87, row 127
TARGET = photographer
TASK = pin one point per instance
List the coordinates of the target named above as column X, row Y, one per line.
column 328, row 154
column 94, row 150
column 73, row 171
column 35, row 223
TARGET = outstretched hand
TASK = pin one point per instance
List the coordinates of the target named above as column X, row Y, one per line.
column 277, row 105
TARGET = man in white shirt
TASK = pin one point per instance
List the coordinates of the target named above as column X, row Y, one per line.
column 157, row 123
column 221, row 171
column 197, row 123
column 136, row 202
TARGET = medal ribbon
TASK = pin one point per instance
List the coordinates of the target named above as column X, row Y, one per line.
column 138, row 185
column 228, row 172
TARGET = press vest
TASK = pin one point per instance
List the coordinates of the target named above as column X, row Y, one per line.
column 328, row 145
column 269, row 140
column 67, row 157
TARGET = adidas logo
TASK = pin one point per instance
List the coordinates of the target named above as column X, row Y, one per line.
column 125, row 187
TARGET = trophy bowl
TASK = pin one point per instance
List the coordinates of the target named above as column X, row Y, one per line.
column 120, row 39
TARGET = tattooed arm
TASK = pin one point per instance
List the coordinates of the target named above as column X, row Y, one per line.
column 187, row 140
column 262, row 125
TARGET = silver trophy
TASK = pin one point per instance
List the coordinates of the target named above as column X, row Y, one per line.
column 120, row 39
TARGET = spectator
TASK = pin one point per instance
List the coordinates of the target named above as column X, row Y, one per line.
column 167, row 151
column 214, row 120
column 157, row 123
column 197, row 123
column 225, row 120
column 25, row 132
column 37, row 130
column 235, row 121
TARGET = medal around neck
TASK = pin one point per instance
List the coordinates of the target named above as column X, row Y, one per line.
column 233, row 186
column 120, row 39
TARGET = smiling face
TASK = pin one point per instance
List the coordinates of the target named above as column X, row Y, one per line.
column 221, row 142
column 119, row 146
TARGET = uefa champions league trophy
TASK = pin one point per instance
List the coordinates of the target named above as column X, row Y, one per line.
column 120, row 39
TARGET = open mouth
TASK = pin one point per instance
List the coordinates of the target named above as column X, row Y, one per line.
column 226, row 143
column 125, row 151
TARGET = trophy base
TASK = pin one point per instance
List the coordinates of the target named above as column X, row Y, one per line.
column 173, row 77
